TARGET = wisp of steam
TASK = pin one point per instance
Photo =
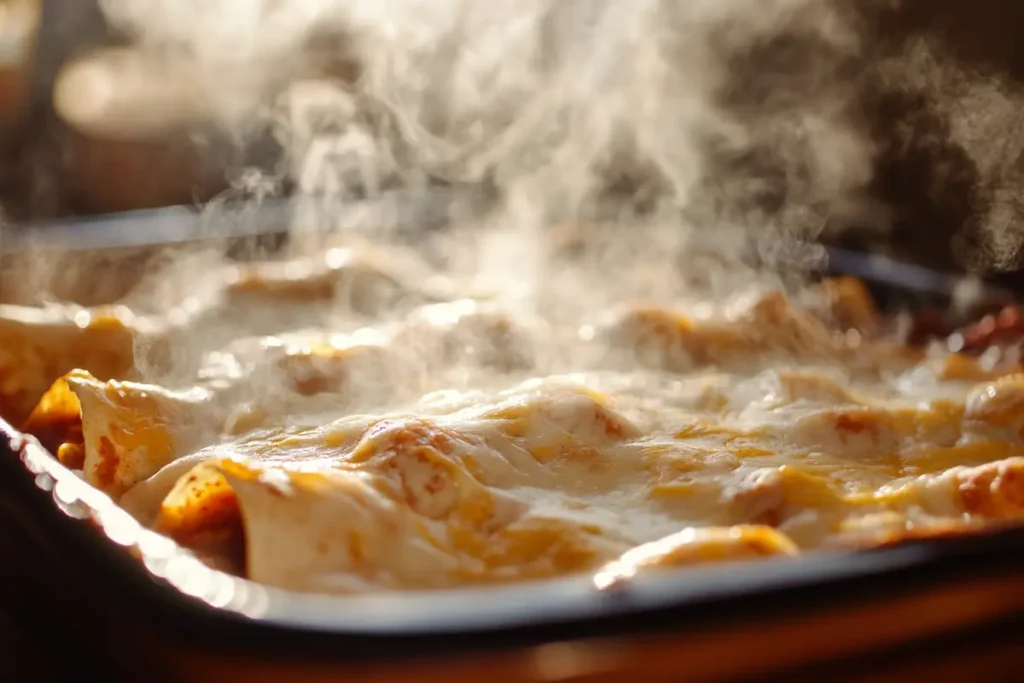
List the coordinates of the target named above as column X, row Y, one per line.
column 692, row 148
column 571, row 107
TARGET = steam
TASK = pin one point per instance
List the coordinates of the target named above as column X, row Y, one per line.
column 697, row 127
column 574, row 109
column 690, row 149
column 693, row 148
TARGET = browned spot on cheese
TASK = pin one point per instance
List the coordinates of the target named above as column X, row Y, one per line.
column 416, row 461
column 106, row 468
column 994, row 490
column 854, row 423
column 400, row 434
column 436, row 483
column 356, row 547
column 614, row 425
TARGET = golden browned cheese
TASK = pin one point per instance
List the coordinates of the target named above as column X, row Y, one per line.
column 355, row 278
column 461, row 445
column 850, row 305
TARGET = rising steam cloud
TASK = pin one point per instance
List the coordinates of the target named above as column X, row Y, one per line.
column 782, row 118
column 566, row 103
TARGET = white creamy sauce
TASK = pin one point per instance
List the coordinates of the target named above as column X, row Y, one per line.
column 459, row 445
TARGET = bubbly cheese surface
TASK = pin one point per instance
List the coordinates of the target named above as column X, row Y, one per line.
column 459, row 444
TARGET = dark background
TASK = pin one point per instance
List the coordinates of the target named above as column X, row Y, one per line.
column 947, row 201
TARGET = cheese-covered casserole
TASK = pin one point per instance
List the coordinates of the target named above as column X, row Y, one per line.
column 454, row 442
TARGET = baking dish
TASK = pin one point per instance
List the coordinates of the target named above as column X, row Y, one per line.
column 132, row 603
column 122, row 599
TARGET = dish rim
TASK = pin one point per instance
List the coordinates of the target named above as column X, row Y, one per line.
column 519, row 614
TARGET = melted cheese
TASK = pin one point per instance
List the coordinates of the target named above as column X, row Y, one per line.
column 130, row 430
column 456, row 447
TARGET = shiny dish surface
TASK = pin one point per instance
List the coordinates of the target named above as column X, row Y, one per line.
column 323, row 426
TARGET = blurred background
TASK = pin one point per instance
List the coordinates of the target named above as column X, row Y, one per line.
column 91, row 124
column 93, row 121
column 96, row 121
